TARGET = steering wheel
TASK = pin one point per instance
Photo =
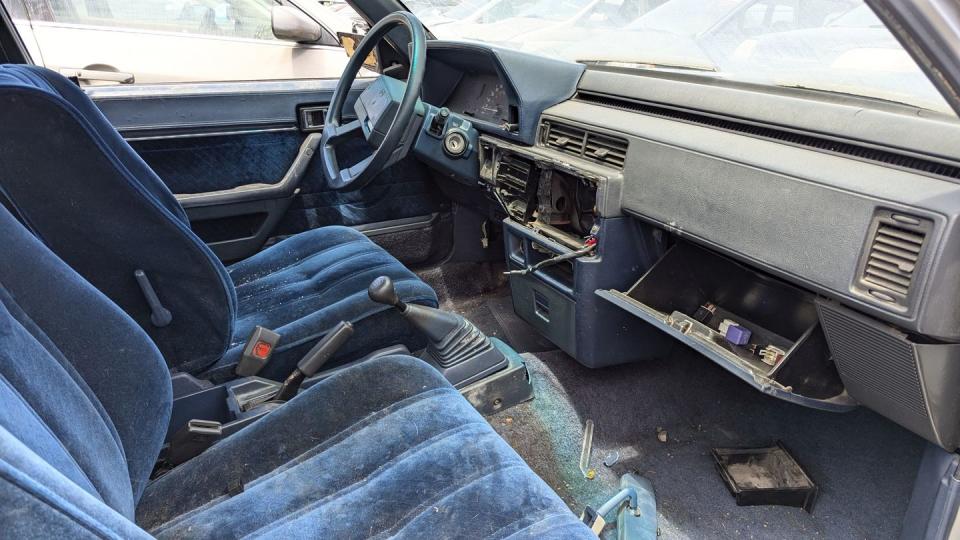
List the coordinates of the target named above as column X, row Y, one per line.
column 384, row 109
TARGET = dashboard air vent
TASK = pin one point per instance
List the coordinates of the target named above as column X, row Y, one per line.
column 586, row 144
column 563, row 137
column 609, row 150
column 893, row 255
column 514, row 173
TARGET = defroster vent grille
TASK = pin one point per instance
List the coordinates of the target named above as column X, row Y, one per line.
column 867, row 153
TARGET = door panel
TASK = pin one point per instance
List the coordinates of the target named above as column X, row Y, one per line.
column 401, row 191
column 170, row 110
column 239, row 162
column 191, row 165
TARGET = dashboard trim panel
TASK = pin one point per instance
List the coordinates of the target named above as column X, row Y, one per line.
column 839, row 116
column 752, row 199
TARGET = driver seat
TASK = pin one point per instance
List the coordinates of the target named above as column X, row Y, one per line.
column 82, row 190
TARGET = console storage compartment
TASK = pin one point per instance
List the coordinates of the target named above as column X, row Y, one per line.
column 690, row 292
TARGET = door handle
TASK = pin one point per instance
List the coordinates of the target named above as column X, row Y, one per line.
column 84, row 74
column 312, row 117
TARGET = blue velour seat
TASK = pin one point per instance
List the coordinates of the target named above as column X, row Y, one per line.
column 85, row 399
column 88, row 196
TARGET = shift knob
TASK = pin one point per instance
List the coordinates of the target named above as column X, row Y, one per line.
column 382, row 292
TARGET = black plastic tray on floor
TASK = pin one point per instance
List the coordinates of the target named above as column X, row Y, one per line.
column 765, row 476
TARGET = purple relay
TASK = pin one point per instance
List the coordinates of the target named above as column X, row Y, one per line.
column 738, row 335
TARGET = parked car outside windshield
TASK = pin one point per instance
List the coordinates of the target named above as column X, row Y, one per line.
column 834, row 46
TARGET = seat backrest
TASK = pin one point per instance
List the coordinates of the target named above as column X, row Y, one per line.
column 85, row 399
column 82, row 190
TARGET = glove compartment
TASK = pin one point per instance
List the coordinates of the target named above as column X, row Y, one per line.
column 778, row 345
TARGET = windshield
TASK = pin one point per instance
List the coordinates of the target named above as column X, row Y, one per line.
column 689, row 17
column 552, row 10
column 465, row 9
column 837, row 46
column 858, row 17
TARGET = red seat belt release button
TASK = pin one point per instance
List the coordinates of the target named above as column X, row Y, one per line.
column 257, row 352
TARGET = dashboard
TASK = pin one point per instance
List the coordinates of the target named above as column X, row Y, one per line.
column 471, row 89
column 804, row 219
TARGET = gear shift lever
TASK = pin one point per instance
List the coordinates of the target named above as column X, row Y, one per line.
column 436, row 324
column 383, row 292
column 457, row 348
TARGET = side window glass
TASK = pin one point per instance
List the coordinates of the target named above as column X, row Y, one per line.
column 165, row 41
column 226, row 18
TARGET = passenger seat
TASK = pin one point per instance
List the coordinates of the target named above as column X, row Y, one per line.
column 386, row 448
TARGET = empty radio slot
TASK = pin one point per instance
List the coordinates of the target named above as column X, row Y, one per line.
column 528, row 253
column 561, row 272
column 566, row 202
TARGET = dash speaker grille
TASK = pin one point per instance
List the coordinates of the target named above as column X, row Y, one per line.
column 878, row 366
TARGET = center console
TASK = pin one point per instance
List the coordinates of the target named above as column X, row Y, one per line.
column 487, row 371
column 565, row 238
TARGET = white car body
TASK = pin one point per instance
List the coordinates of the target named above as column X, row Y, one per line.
column 100, row 49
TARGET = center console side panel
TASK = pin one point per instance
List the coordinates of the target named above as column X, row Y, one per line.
column 564, row 307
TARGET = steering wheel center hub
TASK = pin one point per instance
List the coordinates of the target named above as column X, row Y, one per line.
column 377, row 107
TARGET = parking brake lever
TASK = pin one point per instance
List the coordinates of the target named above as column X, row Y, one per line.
column 311, row 363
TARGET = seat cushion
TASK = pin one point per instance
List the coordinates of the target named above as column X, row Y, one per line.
column 85, row 399
column 303, row 286
column 386, row 448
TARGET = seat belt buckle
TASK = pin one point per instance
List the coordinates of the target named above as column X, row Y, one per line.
column 257, row 352
column 192, row 439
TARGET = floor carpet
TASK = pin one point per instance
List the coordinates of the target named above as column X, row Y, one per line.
column 863, row 464
column 480, row 293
